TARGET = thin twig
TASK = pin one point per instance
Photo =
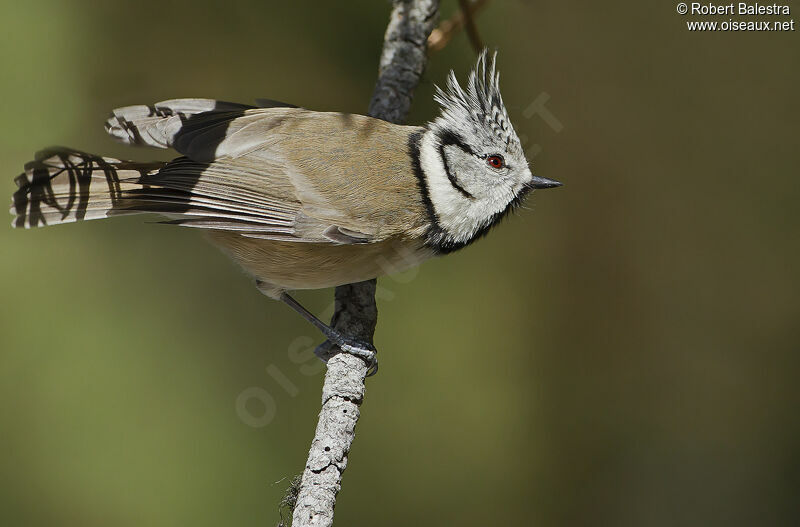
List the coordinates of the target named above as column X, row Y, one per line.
column 442, row 35
column 469, row 24
column 402, row 62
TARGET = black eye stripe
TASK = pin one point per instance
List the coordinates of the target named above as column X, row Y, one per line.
column 448, row 138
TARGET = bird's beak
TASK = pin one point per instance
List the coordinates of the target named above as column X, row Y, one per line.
column 543, row 182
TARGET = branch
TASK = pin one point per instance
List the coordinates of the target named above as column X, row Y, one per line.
column 403, row 58
column 401, row 65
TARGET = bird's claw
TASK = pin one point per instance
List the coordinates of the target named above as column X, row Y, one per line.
column 362, row 350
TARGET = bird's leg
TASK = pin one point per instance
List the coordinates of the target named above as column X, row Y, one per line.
column 362, row 350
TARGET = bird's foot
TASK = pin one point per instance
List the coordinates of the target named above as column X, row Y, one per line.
column 362, row 350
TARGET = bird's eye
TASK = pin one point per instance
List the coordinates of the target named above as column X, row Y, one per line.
column 495, row 161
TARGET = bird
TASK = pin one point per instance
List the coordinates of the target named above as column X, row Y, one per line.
column 302, row 199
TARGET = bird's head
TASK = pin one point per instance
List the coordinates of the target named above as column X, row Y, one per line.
column 472, row 161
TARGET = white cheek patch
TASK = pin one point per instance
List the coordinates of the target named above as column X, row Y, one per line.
column 460, row 216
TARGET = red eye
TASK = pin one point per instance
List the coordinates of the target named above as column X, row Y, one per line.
column 495, row 161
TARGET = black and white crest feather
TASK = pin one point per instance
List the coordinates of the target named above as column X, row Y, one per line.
column 480, row 105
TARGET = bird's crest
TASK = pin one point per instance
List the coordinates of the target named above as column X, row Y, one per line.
column 480, row 105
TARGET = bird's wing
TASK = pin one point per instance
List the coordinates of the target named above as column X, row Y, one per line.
column 234, row 197
column 279, row 173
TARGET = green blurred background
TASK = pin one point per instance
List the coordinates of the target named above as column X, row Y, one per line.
column 623, row 351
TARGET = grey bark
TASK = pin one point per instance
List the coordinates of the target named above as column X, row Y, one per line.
column 402, row 62
column 403, row 58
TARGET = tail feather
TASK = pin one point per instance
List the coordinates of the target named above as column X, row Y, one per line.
column 63, row 186
column 159, row 124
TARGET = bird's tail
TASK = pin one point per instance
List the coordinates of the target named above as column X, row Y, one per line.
column 63, row 185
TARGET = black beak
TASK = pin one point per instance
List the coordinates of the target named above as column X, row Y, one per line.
column 543, row 182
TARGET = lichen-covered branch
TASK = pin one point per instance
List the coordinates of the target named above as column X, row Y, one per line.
column 402, row 62
column 403, row 58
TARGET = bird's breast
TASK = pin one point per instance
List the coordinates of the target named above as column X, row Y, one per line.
column 293, row 265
